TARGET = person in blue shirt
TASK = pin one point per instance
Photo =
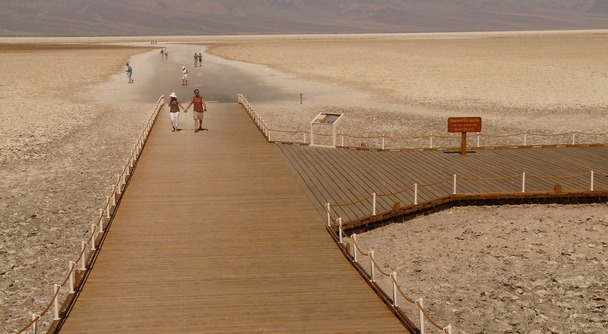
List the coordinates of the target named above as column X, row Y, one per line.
column 129, row 73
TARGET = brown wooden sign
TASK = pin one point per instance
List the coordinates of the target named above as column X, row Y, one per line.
column 464, row 124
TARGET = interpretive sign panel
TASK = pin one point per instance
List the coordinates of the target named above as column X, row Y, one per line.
column 464, row 124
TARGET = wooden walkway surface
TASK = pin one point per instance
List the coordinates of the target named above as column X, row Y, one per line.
column 346, row 175
column 215, row 235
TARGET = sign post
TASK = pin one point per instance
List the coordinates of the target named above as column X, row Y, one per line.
column 464, row 125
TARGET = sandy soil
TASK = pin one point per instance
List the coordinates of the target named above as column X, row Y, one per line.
column 531, row 269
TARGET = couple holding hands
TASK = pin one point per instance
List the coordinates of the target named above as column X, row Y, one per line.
column 199, row 108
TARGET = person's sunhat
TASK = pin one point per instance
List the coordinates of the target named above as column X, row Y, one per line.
column 173, row 95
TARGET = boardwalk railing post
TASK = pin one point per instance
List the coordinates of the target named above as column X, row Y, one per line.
column 93, row 237
column 35, row 318
column 373, row 204
column 478, row 140
column 108, row 207
column 454, row 191
column 431, row 142
column 114, row 195
column 118, row 188
column 100, row 220
column 354, row 247
column 420, row 304
column 83, row 246
column 372, row 277
column 591, row 180
column 382, row 141
column 71, row 266
column 56, row 301
column 415, row 193
column 328, row 209
column 573, row 141
column 523, row 182
column 394, row 277
column 342, row 135
column 340, row 229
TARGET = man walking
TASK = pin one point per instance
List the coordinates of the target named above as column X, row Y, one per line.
column 129, row 73
column 199, row 108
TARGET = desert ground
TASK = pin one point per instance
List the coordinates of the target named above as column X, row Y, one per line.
column 67, row 129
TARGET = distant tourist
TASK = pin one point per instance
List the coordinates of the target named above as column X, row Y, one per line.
column 129, row 73
column 199, row 108
column 200, row 59
column 184, row 76
column 195, row 60
column 166, row 53
column 174, row 106
column 162, row 53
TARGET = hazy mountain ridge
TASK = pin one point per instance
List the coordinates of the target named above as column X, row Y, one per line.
column 192, row 17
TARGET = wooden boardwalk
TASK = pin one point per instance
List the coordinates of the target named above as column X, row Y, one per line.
column 214, row 234
column 346, row 175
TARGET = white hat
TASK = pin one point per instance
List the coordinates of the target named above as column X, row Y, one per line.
column 183, row 67
column 173, row 95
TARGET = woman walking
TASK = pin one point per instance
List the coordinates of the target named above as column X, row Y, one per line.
column 174, row 106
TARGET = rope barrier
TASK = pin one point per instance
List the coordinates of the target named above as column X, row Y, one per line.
column 354, row 202
column 396, row 285
column 489, row 178
column 91, row 240
column 550, row 177
column 427, row 317
column 395, row 193
column 267, row 130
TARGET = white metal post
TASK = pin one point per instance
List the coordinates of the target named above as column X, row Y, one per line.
column 312, row 137
column 354, row 247
column 114, row 195
column 56, row 301
column 382, row 141
column 101, row 222
column 108, row 207
column 340, row 229
column 328, row 209
column 431, row 141
column 420, row 307
column 572, row 138
column 415, row 193
column 523, row 182
column 92, row 237
column 333, row 135
column 342, row 139
column 478, row 140
column 591, row 180
column 373, row 268
column 83, row 246
column 118, row 183
column 35, row 318
column 373, row 204
column 394, row 276
column 71, row 266
column 454, row 192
